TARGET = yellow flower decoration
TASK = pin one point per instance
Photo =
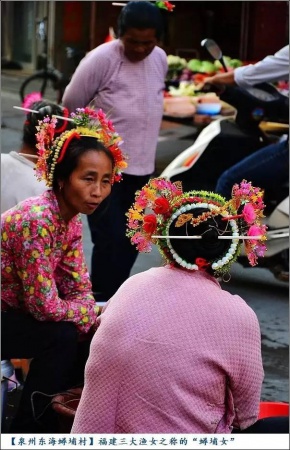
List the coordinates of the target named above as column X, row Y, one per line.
column 25, row 232
column 43, row 232
column 134, row 215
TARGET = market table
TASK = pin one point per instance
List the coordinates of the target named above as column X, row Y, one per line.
column 183, row 110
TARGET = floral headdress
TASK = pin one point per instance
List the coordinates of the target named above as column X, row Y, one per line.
column 162, row 5
column 86, row 122
column 160, row 203
column 31, row 98
column 165, row 5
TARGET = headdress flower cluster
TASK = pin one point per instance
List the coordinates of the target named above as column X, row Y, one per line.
column 165, row 5
column 160, row 202
column 86, row 122
column 31, row 98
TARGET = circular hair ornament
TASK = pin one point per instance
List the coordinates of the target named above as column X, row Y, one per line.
column 160, row 204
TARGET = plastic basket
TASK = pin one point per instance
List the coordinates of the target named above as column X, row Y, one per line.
column 65, row 405
column 272, row 409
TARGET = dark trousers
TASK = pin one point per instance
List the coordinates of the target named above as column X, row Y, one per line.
column 57, row 364
column 266, row 168
column 113, row 254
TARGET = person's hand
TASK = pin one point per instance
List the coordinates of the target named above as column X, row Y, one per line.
column 221, row 79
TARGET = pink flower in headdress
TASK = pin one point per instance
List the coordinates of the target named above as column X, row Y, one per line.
column 30, row 99
column 252, row 257
column 133, row 224
column 249, row 214
column 260, row 249
column 142, row 244
column 255, row 230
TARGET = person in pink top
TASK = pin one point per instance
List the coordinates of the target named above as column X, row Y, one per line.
column 173, row 351
column 126, row 78
column 48, row 309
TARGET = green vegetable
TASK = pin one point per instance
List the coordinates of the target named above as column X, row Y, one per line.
column 207, row 67
column 226, row 59
column 194, row 65
column 235, row 63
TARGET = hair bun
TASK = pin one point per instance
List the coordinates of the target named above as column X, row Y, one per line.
column 210, row 236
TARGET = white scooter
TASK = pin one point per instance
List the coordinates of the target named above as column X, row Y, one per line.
column 277, row 256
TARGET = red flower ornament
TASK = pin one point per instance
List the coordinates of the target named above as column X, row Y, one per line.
column 149, row 223
column 161, row 205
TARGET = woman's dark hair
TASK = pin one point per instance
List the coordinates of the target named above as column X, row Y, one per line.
column 31, row 122
column 209, row 247
column 142, row 15
column 76, row 149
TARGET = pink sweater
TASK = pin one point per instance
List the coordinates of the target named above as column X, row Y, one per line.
column 174, row 353
column 131, row 93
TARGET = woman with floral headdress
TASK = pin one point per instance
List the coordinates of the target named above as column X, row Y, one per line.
column 185, row 357
column 48, row 309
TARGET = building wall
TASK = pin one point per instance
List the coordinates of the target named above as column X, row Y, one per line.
column 246, row 30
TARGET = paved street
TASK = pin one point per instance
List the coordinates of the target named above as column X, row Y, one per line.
column 267, row 296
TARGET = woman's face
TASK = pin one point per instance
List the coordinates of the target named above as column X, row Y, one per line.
column 88, row 185
column 138, row 44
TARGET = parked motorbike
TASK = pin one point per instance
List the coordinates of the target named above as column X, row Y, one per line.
column 226, row 141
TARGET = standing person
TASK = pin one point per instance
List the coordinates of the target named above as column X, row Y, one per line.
column 268, row 166
column 17, row 167
column 185, row 357
column 48, row 309
column 126, row 78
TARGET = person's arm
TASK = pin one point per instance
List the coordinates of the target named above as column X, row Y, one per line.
column 246, row 380
column 37, row 270
column 220, row 79
column 272, row 68
column 85, row 82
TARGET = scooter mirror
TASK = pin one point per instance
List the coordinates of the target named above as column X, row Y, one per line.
column 214, row 50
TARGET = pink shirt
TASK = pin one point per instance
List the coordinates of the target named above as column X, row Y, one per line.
column 174, row 353
column 130, row 93
column 43, row 269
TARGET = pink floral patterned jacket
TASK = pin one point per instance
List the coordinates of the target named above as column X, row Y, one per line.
column 43, row 269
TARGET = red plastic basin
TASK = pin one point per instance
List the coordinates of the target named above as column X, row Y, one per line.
column 271, row 409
